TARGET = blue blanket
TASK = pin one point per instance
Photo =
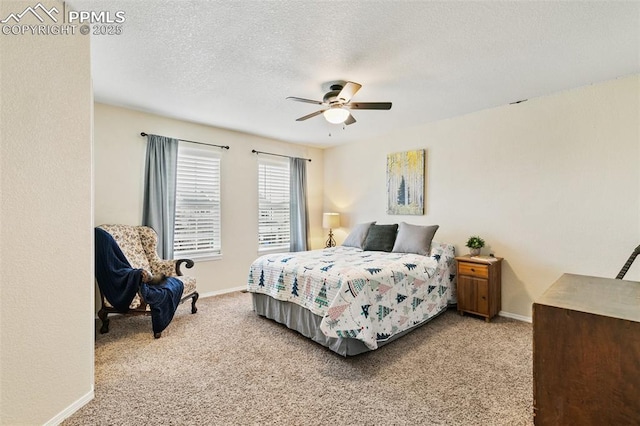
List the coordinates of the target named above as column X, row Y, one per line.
column 164, row 300
column 119, row 283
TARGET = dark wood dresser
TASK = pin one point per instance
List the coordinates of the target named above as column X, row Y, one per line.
column 586, row 352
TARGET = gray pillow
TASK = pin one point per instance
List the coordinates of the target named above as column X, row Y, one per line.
column 381, row 238
column 358, row 235
column 414, row 239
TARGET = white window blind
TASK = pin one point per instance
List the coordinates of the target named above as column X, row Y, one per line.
column 273, row 204
column 197, row 223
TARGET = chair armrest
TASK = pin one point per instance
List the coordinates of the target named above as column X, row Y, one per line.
column 188, row 263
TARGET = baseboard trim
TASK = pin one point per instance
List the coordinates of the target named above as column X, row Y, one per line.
column 221, row 292
column 515, row 316
column 67, row 412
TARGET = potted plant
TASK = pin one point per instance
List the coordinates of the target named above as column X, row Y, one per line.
column 475, row 243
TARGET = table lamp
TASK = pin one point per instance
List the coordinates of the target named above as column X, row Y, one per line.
column 330, row 221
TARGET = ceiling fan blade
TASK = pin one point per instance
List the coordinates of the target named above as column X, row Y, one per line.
column 369, row 105
column 309, row 101
column 313, row 114
column 347, row 92
column 349, row 120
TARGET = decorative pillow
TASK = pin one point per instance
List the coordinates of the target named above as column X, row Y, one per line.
column 381, row 238
column 414, row 239
column 358, row 235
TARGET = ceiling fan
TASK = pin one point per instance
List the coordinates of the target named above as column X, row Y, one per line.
column 337, row 103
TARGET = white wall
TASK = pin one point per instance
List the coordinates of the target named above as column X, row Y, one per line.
column 119, row 179
column 551, row 184
column 46, row 302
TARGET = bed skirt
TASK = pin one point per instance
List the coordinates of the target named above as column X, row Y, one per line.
column 307, row 323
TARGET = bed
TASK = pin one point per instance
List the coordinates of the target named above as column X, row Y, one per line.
column 353, row 300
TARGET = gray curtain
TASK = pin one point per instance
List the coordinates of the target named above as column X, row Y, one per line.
column 159, row 206
column 298, row 205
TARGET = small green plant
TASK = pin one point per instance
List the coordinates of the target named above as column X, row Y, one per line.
column 475, row 242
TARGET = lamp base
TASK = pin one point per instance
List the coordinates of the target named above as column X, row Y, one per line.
column 330, row 241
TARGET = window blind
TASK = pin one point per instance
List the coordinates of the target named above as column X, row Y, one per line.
column 197, row 222
column 273, row 204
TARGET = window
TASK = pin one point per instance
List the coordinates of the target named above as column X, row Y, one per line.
column 273, row 204
column 197, row 223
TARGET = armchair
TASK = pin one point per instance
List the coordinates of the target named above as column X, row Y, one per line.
column 138, row 244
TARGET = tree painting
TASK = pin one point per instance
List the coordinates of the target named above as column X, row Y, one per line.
column 405, row 182
column 402, row 198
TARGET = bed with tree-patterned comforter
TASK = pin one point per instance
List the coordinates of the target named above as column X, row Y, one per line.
column 368, row 296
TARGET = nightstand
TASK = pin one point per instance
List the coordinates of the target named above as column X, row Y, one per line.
column 479, row 285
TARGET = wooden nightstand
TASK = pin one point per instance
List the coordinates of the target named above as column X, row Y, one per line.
column 479, row 286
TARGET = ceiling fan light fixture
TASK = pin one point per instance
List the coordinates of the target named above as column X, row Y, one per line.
column 337, row 104
column 336, row 114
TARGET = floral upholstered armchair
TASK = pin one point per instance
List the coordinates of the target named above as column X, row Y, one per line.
column 138, row 244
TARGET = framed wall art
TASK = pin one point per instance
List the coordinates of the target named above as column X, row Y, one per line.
column 405, row 182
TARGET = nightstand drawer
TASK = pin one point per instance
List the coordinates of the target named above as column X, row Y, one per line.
column 473, row 269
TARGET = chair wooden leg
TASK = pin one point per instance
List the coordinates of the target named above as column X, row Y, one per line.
column 157, row 335
column 193, row 302
column 102, row 314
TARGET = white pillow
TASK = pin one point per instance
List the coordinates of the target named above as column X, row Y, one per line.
column 358, row 235
column 414, row 239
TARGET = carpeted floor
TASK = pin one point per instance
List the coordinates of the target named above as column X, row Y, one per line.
column 227, row 366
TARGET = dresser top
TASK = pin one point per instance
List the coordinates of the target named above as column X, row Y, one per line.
column 599, row 296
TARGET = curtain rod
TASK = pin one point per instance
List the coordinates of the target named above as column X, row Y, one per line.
column 199, row 143
column 278, row 155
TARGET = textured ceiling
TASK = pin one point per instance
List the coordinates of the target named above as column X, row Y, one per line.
column 232, row 64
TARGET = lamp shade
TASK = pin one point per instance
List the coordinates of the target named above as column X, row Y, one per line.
column 336, row 114
column 330, row 220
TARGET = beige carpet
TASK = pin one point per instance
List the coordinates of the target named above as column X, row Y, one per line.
column 225, row 365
